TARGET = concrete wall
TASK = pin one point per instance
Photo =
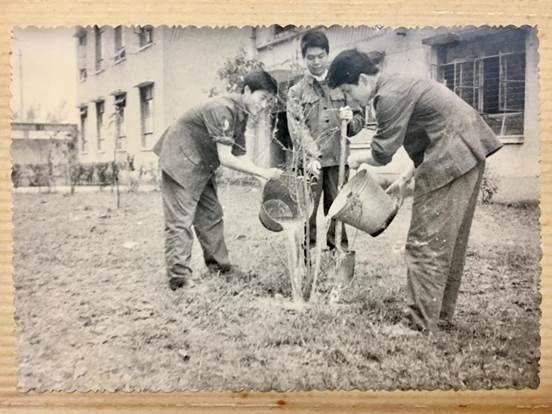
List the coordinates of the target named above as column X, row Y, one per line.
column 405, row 55
column 182, row 63
column 39, row 151
column 141, row 65
column 192, row 57
column 517, row 165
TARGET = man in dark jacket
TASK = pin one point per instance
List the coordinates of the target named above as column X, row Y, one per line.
column 190, row 151
column 448, row 142
column 315, row 127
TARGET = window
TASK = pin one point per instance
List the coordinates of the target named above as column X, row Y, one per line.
column 83, row 119
column 82, row 39
column 494, row 85
column 145, row 35
column 120, row 52
column 490, row 76
column 98, row 35
column 100, row 110
column 281, row 30
column 120, row 125
column 81, row 55
column 146, row 105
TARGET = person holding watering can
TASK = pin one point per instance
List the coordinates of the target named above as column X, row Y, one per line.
column 448, row 142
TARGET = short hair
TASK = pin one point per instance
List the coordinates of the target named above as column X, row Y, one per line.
column 314, row 38
column 260, row 80
column 347, row 67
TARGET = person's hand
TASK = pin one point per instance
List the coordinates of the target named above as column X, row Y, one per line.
column 272, row 173
column 354, row 161
column 314, row 167
column 397, row 190
column 345, row 113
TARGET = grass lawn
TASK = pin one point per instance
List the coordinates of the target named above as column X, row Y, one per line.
column 93, row 310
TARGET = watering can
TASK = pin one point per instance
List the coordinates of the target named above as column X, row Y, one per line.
column 363, row 204
column 283, row 200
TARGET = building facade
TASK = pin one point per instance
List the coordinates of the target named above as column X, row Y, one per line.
column 134, row 81
column 493, row 69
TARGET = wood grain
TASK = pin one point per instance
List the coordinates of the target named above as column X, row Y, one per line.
column 395, row 13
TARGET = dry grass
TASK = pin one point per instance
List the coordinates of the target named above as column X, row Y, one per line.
column 95, row 313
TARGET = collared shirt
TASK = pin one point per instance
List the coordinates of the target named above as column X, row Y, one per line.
column 442, row 134
column 194, row 137
column 313, row 119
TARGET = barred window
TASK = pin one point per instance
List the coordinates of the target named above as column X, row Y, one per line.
column 494, row 85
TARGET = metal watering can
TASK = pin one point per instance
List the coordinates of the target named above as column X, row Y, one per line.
column 283, row 200
column 363, row 204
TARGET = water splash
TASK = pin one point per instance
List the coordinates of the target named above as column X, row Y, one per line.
column 321, row 235
column 295, row 230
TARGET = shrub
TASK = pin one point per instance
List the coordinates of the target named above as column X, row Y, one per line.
column 489, row 186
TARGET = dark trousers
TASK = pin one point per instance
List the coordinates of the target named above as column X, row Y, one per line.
column 436, row 247
column 326, row 186
column 196, row 206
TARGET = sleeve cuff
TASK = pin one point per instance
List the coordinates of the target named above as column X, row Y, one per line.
column 355, row 125
column 223, row 140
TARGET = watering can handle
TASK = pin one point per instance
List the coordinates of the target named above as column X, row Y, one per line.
column 401, row 184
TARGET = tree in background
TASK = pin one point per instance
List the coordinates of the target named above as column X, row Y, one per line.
column 232, row 73
column 32, row 114
column 58, row 114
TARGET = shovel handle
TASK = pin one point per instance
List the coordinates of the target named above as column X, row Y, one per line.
column 341, row 177
column 342, row 153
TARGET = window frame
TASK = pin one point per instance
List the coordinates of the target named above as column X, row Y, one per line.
column 98, row 48
column 83, row 74
column 83, row 121
column 119, row 44
column 82, row 39
column 143, row 40
column 479, row 106
column 120, row 121
column 147, row 101
column 100, row 125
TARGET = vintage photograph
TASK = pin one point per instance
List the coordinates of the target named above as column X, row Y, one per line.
column 280, row 208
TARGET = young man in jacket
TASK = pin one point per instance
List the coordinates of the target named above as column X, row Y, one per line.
column 315, row 127
column 190, row 151
column 448, row 142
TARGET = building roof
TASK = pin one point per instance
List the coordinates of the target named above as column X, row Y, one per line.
column 467, row 34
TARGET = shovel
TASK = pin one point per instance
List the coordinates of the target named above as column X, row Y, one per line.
column 344, row 269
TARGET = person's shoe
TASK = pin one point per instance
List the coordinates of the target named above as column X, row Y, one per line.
column 177, row 282
column 229, row 272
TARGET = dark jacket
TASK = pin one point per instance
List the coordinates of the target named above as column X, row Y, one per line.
column 442, row 134
column 313, row 119
column 189, row 146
